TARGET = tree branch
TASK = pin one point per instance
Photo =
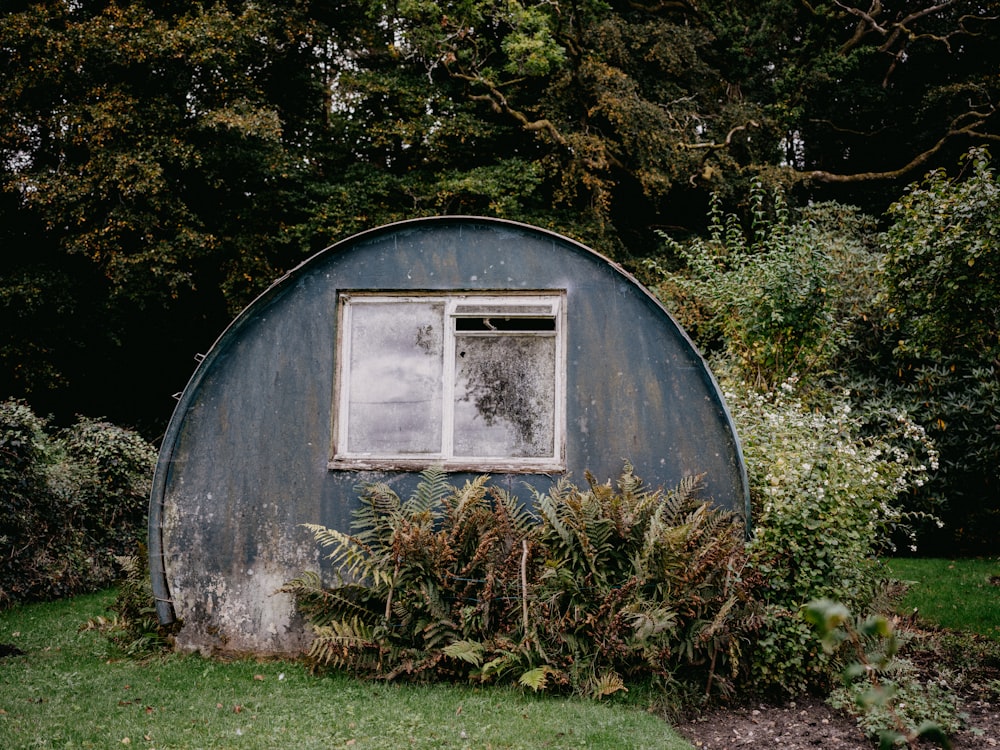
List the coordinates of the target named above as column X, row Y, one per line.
column 897, row 35
column 727, row 141
column 498, row 103
column 866, row 21
column 974, row 120
column 706, row 170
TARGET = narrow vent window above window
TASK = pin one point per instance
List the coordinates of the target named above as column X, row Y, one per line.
column 472, row 382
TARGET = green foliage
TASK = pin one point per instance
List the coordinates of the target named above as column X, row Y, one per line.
column 162, row 163
column 593, row 589
column 531, row 47
column 942, row 266
column 37, row 559
column 941, row 272
column 782, row 297
column 635, row 583
column 146, row 151
column 70, row 502
column 911, row 329
column 417, row 576
column 134, row 627
column 104, row 478
column 825, row 495
column 879, row 686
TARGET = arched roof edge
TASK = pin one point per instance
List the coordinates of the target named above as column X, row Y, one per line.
column 161, row 593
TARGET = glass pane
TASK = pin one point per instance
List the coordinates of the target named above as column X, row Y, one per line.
column 505, row 396
column 396, row 371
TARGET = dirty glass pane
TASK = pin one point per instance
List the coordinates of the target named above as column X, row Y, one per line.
column 505, row 396
column 395, row 375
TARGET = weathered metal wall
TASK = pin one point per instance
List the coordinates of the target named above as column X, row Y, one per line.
column 245, row 458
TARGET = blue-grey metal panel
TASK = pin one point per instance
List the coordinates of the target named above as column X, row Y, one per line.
column 245, row 457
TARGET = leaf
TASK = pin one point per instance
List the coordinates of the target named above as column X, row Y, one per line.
column 536, row 678
column 468, row 651
column 607, row 684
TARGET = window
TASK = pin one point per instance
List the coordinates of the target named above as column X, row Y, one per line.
column 467, row 381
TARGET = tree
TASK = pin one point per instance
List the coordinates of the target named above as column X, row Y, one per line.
column 150, row 155
column 941, row 268
column 162, row 162
column 631, row 113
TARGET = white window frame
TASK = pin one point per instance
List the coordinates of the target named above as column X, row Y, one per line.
column 500, row 305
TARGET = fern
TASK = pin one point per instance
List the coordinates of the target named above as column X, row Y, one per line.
column 321, row 605
column 352, row 559
column 134, row 627
column 467, row 651
column 537, row 678
column 346, row 644
column 582, row 589
column 607, row 683
column 429, row 494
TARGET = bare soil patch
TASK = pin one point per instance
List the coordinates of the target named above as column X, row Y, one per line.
column 809, row 723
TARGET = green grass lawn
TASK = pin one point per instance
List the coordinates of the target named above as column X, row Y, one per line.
column 961, row 594
column 74, row 690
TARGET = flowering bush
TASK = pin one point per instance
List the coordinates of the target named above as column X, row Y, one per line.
column 823, row 487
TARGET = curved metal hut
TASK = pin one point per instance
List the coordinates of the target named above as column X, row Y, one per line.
column 481, row 345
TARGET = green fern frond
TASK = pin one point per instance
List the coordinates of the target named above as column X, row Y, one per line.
column 376, row 518
column 547, row 507
column 467, row 514
column 381, row 499
column 686, row 490
column 653, row 622
column 514, row 516
column 628, row 482
column 470, row 497
column 321, row 605
column 537, row 678
column 352, row 559
column 429, row 493
column 307, row 583
column 575, row 527
column 498, row 667
column 467, row 651
column 344, row 644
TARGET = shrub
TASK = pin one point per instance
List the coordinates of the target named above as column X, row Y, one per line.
column 634, row 584
column 110, row 470
column 941, row 277
column 589, row 590
column 39, row 557
column 824, row 494
column 69, row 502
column 881, row 688
column 782, row 298
column 416, row 577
